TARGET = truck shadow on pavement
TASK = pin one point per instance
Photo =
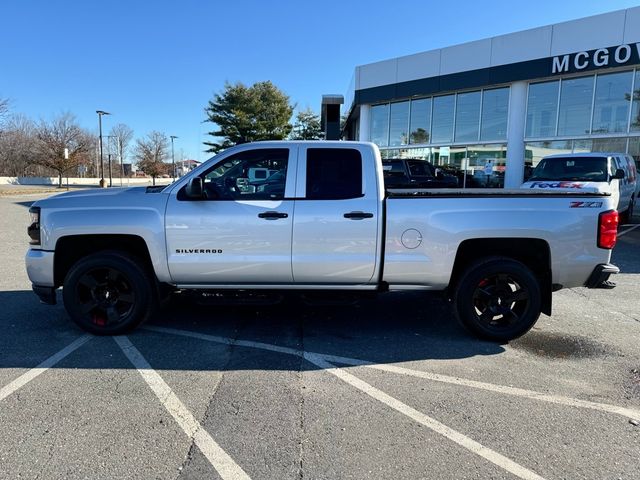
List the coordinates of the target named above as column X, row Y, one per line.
column 394, row 328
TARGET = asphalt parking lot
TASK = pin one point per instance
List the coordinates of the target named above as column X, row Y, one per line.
column 388, row 388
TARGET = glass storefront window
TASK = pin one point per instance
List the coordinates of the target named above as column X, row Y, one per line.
column 486, row 166
column 495, row 109
column 582, row 146
column 634, row 150
column 450, row 160
column 617, row 145
column 476, row 166
column 611, row 107
column 390, row 153
column 467, row 117
column 380, row 125
column 542, row 109
column 574, row 113
column 443, row 109
column 635, row 109
column 421, row 153
column 420, row 121
column 399, row 129
column 536, row 150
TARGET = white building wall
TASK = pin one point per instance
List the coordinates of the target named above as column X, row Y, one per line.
column 514, row 173
column 420, row 65
column 521, row 46
column 605, row 30
column 365, row 123
column 589, row 33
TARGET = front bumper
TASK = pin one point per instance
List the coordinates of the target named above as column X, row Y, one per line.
column 40, row 267
column 600, row 276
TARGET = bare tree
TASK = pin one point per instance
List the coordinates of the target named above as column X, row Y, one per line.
column 120, row 137
column 4, row 107
column 17, row 146
column 151, row 153
column 53, row 138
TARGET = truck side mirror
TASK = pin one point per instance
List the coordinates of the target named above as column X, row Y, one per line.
column 619, row 175
column 195, row 189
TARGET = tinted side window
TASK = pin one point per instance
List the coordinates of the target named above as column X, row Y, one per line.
column 334, row 173
column 420, row 168
column 250, row 175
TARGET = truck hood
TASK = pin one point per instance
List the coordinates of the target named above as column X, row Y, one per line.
column 93, row 197
column 577, row 186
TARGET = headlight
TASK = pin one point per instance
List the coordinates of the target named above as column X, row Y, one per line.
column 34, row 229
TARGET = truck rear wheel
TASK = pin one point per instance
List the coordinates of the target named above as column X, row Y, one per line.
column 108, row 293
column 498, row 299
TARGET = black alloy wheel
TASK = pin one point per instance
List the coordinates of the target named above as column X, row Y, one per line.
column 105, row 295
column 498, row 299
column 108, row 293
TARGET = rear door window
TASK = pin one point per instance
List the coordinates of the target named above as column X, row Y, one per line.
column 333, row 173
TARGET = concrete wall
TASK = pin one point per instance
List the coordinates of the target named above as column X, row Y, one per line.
column 79, row 181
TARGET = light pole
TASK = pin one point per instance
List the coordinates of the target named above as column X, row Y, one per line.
column 109, row 157
column 173, row 157
column 100, row 114
column 120, row 156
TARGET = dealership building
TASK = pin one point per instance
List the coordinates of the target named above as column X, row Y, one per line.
column 488, row 110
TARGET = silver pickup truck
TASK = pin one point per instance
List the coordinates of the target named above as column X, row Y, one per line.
column 315, row 216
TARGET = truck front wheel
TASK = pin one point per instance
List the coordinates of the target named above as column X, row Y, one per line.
column 498, row 299
column 108, row 293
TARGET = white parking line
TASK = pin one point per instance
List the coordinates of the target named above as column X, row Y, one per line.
column 431, row 423
column 502, row 389
column 517, row 392
column 25, row 378
column 321, row 361
column 628, row 230
column 219, row 459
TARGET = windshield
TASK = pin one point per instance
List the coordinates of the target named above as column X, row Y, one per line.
column 586, row 169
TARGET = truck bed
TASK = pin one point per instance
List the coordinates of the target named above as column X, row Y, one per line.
column 493, row 192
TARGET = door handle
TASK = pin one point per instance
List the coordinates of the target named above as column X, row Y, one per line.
column 272, row 215
column 358, row 215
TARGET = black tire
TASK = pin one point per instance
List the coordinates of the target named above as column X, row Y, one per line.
column 498, row 299
column 108, row 293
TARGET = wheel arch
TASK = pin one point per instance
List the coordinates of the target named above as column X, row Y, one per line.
column 534, row 253
column 71, row 248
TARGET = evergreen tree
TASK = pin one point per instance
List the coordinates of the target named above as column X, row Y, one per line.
column 248, row 114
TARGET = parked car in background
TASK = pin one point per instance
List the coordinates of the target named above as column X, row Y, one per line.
column 415, row 173
column 613, row 173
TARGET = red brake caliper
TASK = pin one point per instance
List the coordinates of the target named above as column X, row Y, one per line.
column 99, row 320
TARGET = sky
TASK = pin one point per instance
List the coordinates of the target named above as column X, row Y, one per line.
column 155, row 64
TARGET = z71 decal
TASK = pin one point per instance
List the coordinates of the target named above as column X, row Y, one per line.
column 556, row 185
column 586, row 204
